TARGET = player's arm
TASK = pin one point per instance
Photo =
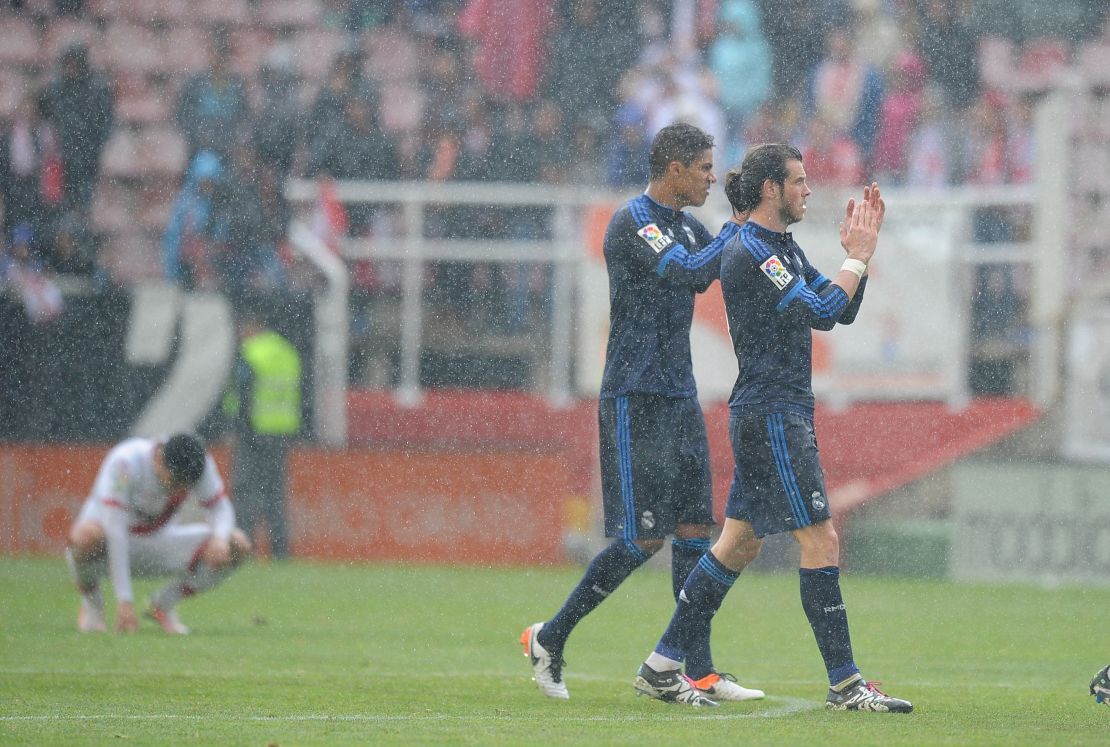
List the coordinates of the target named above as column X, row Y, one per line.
column 116, row 535
column 790, row 293
column 699, row 269
column 819, row 283
column 220, row 513
column 111, row 489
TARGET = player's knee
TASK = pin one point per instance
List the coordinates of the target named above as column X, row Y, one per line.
column 692, row 531
column 649, row 546
column 241, row 547
column 739, row 553
column 820, row 543
column 86, row 539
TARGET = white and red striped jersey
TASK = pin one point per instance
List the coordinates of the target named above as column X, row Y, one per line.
column 128, row 499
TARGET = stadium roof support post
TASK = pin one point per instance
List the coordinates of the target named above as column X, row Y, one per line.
column 1047, row 311
column 329, row 365
column 562, row 311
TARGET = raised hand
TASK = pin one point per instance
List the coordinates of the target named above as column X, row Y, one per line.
column 862, row 232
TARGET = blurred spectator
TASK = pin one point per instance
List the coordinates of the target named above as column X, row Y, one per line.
column 740, row 59
column 30, row 169
column 510, row 37
column 587, row 163
column 1020, row 141
column 212, row 108
column 929, row 158
column 512, row 161
column 73, row 249
column 676, row 90
column 81, row 106
column 950, row 48
column 444, row 87
column 527, row 284
column 346, row 80
column 190, row 243
column 355, row 15
column 248, row 259
column 587, row 56
column 996, row 313
column 796, row 31
column 626, row 154
column 831, row 157
column 277, row 128
column 846, row 91
column 354, row 147
column 42, row 300
column 899, row 118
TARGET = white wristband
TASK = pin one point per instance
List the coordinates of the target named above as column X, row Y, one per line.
column 854, row 266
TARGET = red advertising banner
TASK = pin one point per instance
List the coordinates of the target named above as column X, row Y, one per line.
column 454, row 507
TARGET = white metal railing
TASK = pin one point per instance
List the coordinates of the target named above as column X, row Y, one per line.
column 565, row 250
column 562, row 250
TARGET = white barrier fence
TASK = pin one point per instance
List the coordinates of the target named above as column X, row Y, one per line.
column 911, row 342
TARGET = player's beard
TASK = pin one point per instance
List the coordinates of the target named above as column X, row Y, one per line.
column 788, row 215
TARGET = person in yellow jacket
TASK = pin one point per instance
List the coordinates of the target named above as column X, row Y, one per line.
column 264, row 403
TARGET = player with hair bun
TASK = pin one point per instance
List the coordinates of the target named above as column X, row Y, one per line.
column 774, row 299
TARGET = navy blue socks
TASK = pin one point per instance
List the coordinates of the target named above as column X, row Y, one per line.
column 824, row 606
column 698, row 601
column 685, row 554
column 606, row 572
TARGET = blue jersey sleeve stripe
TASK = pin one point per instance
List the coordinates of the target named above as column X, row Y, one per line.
column 676, row 253
column 820, row 282
column 755, row 247
column 790, row 295
column 825, row 306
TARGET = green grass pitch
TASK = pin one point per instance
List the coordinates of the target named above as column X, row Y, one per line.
column 307, row 654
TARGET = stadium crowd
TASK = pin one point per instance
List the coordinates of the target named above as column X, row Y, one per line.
column 152, row 138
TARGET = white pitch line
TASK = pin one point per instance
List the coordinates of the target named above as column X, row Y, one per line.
column 789, row 707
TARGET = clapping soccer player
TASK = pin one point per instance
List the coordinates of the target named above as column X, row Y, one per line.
column 654, row 450
column 774, row 297
column 128, row 526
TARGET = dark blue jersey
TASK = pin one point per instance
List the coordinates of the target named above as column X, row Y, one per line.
column 774, row 298
column 657, row 259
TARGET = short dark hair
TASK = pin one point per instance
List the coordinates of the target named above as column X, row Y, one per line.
column 678, row 142
column 744, row 186
column 184, row 457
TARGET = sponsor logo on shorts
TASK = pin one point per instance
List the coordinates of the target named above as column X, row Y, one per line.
column 774, row 269
column 655, row 238
column 647, row 520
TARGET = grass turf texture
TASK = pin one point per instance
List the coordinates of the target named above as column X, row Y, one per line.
column 301, row 654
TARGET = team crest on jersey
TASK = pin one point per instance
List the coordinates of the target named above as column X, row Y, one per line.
column 774, row 269
column 655, row 238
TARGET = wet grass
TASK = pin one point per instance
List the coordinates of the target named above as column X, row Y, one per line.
column 307, row 654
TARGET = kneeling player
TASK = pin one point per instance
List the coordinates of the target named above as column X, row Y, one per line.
column 127, row 527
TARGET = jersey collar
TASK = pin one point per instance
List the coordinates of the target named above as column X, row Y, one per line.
column 668, row 213
column 784, row 237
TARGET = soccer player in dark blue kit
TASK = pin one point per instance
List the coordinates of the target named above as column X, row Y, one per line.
column 773, row 298
column 654, row 450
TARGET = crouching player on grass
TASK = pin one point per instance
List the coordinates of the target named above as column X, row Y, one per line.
column 127, row 527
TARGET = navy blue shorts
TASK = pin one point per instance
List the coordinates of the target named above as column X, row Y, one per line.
column 778, row 484
column 654, row 465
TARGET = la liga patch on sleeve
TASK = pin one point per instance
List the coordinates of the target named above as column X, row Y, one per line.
column 773, row 268
column 655, row 238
